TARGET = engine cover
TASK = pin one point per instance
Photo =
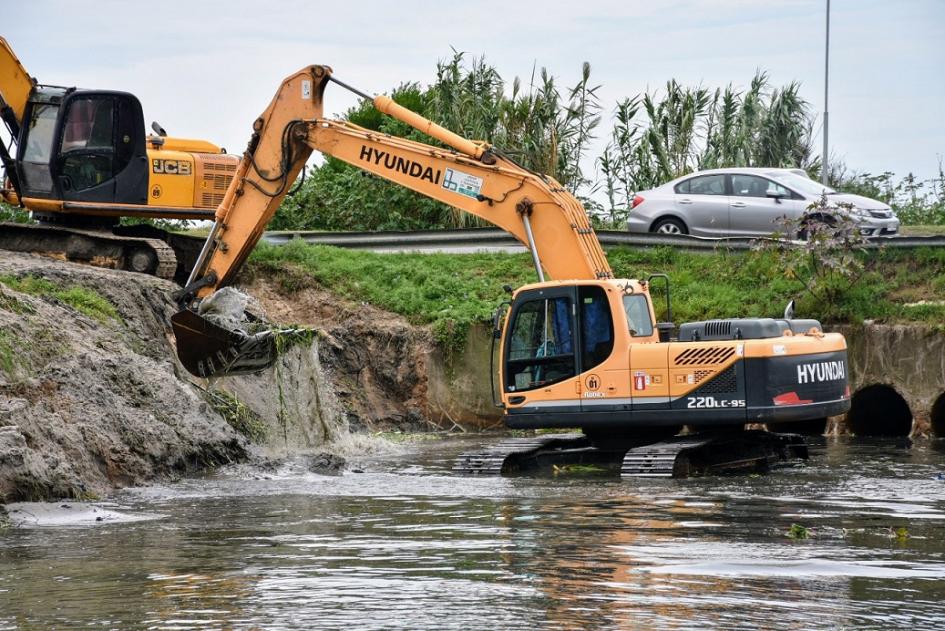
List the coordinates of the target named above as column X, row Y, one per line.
column 743, row 329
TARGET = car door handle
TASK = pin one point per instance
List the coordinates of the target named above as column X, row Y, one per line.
column 685, row 201
column 738, row 204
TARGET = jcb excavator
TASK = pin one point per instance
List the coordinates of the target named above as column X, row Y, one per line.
column 80, row 160
column 581, row 351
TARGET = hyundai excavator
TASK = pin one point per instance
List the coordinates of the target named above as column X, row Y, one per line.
column 79, row 160
column 581, row 349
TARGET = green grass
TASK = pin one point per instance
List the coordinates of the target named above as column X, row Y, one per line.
column 450, row 291
column 9, row 355
column 79, row 298
column 912, row 231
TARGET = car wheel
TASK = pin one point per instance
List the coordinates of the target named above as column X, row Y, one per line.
column 669, row 226
column 825, row 220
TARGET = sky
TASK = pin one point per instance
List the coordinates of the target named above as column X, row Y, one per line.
column 206, row 69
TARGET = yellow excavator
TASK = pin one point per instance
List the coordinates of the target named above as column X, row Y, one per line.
column 580, row 350
column 79, row 160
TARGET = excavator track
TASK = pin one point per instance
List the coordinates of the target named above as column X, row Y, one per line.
column 501, row 458
column 713, row 454
column 678, row 457
column 99, row 248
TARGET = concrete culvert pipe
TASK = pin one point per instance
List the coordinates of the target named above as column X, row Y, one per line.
column 878, row 410
column 938, row 417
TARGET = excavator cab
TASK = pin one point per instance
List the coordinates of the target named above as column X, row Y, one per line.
column 83, row 146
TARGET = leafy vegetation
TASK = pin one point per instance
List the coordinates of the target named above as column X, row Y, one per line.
column 452, row 291
column 549, row 127
column 9, row 355
column 80, row 298
column 829, row 263
column 13, row 213
column 916, row 202
column 545, row 128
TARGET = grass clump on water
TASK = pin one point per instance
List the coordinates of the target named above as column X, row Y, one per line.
column 82, row 299
column 796, row 531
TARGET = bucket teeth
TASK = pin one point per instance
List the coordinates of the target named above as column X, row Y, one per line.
column 208, row 350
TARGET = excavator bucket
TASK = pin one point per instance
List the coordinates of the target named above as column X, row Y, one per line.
column 208, row 350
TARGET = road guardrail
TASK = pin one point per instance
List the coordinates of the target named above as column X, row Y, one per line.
column 494, row 239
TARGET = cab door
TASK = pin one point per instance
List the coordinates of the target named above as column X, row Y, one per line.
column 101, row 154
column 36, row 145
column 540, row 361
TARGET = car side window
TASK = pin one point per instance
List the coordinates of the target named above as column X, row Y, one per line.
column 703, row 185
column 754, row 186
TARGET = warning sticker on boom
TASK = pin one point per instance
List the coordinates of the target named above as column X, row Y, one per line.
column 462, row 183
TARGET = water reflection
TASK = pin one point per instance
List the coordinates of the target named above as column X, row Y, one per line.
column 407, row 545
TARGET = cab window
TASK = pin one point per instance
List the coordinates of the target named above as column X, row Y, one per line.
column 638, row 315
column 87, row 152
column 89, row 124
column 39, row 147
column 597, row 326
column 541, row 344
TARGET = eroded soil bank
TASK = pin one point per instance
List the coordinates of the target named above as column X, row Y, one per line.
column 91, row 399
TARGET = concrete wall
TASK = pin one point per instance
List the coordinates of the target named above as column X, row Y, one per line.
column 459, row 388
column 908, row 358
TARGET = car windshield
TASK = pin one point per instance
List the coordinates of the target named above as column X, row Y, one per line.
column 799, row 183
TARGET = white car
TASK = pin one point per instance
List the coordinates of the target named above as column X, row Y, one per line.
column 748, row 202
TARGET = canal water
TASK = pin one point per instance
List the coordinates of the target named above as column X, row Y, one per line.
column 405, row 544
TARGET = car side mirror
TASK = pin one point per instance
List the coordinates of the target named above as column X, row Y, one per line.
column 777, row 196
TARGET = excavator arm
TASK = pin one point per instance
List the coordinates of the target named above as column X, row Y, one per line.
column 15, row 88
column 16, row 85
column 468, row 175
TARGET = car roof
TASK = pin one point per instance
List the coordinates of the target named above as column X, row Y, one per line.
column 750, row 170
column 760, row 170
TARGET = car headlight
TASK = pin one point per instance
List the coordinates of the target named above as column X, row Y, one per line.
column 858, row 212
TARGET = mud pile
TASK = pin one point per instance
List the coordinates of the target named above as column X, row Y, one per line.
column 90, row 394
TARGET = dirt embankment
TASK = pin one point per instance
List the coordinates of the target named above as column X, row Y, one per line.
column 91, row 397
column 376, row 361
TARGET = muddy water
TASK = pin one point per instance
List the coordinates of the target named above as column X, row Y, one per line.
column 406, row 545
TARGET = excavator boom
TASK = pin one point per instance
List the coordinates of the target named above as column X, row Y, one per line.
column 465, row 174
column 534, row 208
column 15, row 88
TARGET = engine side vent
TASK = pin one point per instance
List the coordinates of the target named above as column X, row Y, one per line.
column 213, row 175
column 708, row 355
column 211, row 200
column 698, row 376
column 726, row 382
column 718, row 328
